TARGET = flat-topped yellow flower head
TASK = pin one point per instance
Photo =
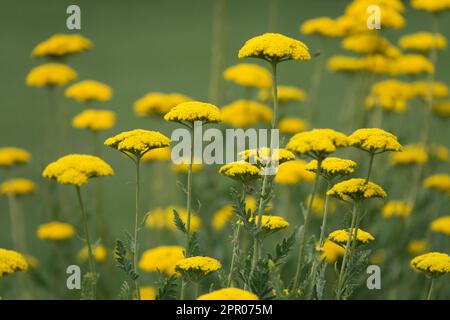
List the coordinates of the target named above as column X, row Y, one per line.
column 285, row 94
column 374, row 140
column 158, row 104
column 323, row 26
column 229, row 294
column 317, row 143
column 391, row 10
column 50, row 74
column 331, row 251
column 439, row 90
column 433, row 264
column 370, row 43
column 89, row 90
column 11, row 262
column 160, row 154
column 194, row 111
column 440, row 182
column 423, row 41
column 99, row 252
column 417, row 246
column 410, row 154
column 244, row 113
column 274, row 47
column 241, row 171
column 442, row 109
column 411, row 64
column 346, row 64
column 271, row 223
column 94, row 120
column 441, row 225
column 292, row 125
column 138, row 141
column 433, row 6
column 293, row 172
column 60, row 45
column 249, row 75
column 195, row 268
column 162, row 259
column 163, row 219
column 396, row 209
column 77, row 169
column 56, row 231
column 391, row 95
column 261, row 156
column 148, row 293
column 333, row 167
column 357, row 189
column 10, row 156
column 17, row 187
column 340, row 237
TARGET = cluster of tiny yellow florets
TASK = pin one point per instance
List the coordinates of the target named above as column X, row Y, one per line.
column 332, row 166
column 292, row 125
column 432, row 263
column 50, row 74
column 374, row 140
column 203, row 265
column 89, row 90
column 160, row 154
column 357, row 189
column 163, row 219
column 99, row 252
column 158, row 104
column 262, row 156
column 61, row 44
column 440, row 181
column 433, row 6
column 138, row 141
column 293, row 172
column 340, row 237
column 423, row 41
column 244, row 113
column 194, row 111
column 317, row 143
column 55, row 231
column 391, row 95
column 17, row 187
column 249, row 75
column 240, row 170
column 396, row 209
column 323, row 26
column 441, row 225
column 285, row 94
column 223, row 215
column 229, row 294
column 370, row 43
column 10, row 156
column 162, row 258
column 271, row 223
column 11, row 262
column 331, row 251
column 94, row 120
column 410, row 154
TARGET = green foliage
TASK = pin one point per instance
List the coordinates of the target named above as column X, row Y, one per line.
column 167, row 288
column 260, row 283
column 125, row 292
column 283, row 249
column 356, row 268
column 121, row 254
column 178, row 222
column 88, row 286
column 194, row 245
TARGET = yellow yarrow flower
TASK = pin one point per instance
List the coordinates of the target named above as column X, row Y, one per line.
column 221, row 217
column 197, row 267
column 391, row 95
column 318, row 205
column 357, row 189
column 370, row 43
column 433, row 6
column 439, row 90
column 11, row 262
column 158, row 104
column 332, row 167
column 160, row 154
column 10, row 156
column 292, row 125
column 317, row 143
column 60, row 45
column 391, row 10
column 50, row 74
column 99, row 252
column 17, row 187
column 183, row 166
column 441, row 225
column 396, row 209
column 432, row 263
column 89, row 90
column 340, row 237
column 261, row 156
column 374, row 140
column 411, row 64
column 440, row 182
column 229, row 294
column 249, row 75
column 410, row 154
column 244, row 113
column 440, row 152
column 194, row 111
column 442, row 109
column 271, row 223
column 323, row 26
column 331, row 251
column 423, row 41
column 55, row 231
column 148, row 293
column 162, row 258
column 163, row 218
column 241, row 171
column 94, row 120
column 285, row 94
column 293, row 172
column 417, row 246
column 340, row 63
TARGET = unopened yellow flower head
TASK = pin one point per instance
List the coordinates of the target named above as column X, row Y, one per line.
column 10, row 156
column 194, row 111
column 183, row 166
column 17, row 187
column 292, row 125
column 274, row 47
column 331, row 251
column 439, row 90
column 162, row 258
column 285, row 94
column 357, row 189
column 11, row 262
column 410, row 154
column 50, row 74
column 60, row 45
column 94, row 120
column 391, row 95
column 89, row 90
column 271, row 223
column 370, row 43
column 318, row 205
column 396, row 208
column 374, row 140
column 55, row 231
column 241, row 171
column 440, row 182
column 340, row 237
column 433, row 6
column 249, row 75
column 244, row 113
column 197, row 267
column 229, row 294
column 293, row 172
column 423, row 41
column 417, row 246
column 346, row 64
column 163, row 219
column 160, row 154
column 433, row 264
column 148, row 293
column 441, row 225
column 261, row 156
column 323, row 26
column 158, row 104
column 99, row 252
column 332, row 167
column 411, row 64
column 138, row 141
column 442, row 109
column 317, row 143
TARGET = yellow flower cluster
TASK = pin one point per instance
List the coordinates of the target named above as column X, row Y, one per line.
column 433, row 6
column 370, row 43
column 442, row 109
column 17, row 187
column 156, row 103
column 10, row 156
column 410, row 154
column 55, row 231
column 332, row 166
column 271, row 223
column 94, row 120
column 292, row 125
column 183, row 166
column 240, row 170
column 194, row 111
column 391, row 95
column 89, row 90
column 346, row 64
column 331, row 251
column 357, row 189
column 223, row 215
column 160, row 154
column 318, row 205
column 285, row 94
column 99, row 252
column 60, row 45
column 249, row 75
column 245, row 113
column 356, row 13
column 274, row 47
column 293, row 172
column 423, row 41
column 11, row 262
column 396, row 209
column 50, row 74
column 162, row 258
column 77, row 169
column 323, row 26
column 438, row 89
column 410, row 64
column 317, row 143
column 417, row 246
column 163, row 218
column 340, row 237
column 262, row 156
column 138, row 141
column 440, row 182
column 148, row 293
column 441, row 225
column 374, row 140
column 432, row 263
column 229, row 294
column 203, row 265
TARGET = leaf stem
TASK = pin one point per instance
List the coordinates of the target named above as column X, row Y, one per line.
column 136, row 227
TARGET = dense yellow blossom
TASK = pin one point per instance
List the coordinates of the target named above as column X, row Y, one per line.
column 357, row 189
column 94, row 120
column 223, row 215
column 60, row 45
column 432, row 263
column 370, row 43
column 293, row 172
column 148, row 293
column 439, row 90
column 442, row 109
column 340, row 237
column 331, row 251
column 318, row 205
column 391, row 11
column 50, row 74
column 194, row 111
column 55, row 231
column 261, row 156
column 274, row 47
column 391, row 94
column 183, row 166
column 417, row 246
column 374, row 140
column 77, row 169
column 346, row 64
column 433, row 6
column 271, row 223
column 11, row 262
column 285, row 94
column 441, row 225
column 203, row 265
column 317, row 143
column 162, row 258
column 410, row 154
column 244, row 113
column 229, row 294
column 411, row 64
column 292, row 125
column 240, row 170
column 138, row 141
column 89, row 90
column 249, row 75
column 323, row 26
column 17, row 187
column 99, row 252
column 160, row 154
column 396, row 209
column 163, row 218
column 10, row 156
column 156, row 103
column 440, row 181
column 423, row 41
column 332, row 166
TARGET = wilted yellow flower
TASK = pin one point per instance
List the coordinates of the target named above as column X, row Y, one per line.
column 332, row 166
column 11, row 262
column 198, row 266
column 357, row 189
column 156, row 103
column 50, row 74
column 17, row 187
column 160, row 154
column 439, row 90
column 55, row 231
column 346, row 64
column 423, row 41
column 417, row 246
column 94, row 120
column 162, row 258
column 194, row 111
column 148, row 293
column 440, row 182
column 318, row 205
column 370, row 43
column 374, row 140
column 331, row 251
column 249, row 75
column 442, row 109
column 60, row 45
column 433, row 6
column 274, row 47
column 432, row 263
column 293, row 172
column 441, row 225
column 340, row 237
column 261, row 156
column 99, row 252
column 396, row 209
column 241, row 171
column 317, row 143
column 285, row 94
column 292, row 125
column 410, row 154
column 411, row 64
column 77, row 169
column 10, row 156
column 244, row 113
column 323, row 26
column 229, row 294
column 89, row 90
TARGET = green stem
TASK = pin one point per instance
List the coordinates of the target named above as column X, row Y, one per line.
column 136, row 227
column 369, row 171
column 315, row 84
column 430, row 291
column 325, row 216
